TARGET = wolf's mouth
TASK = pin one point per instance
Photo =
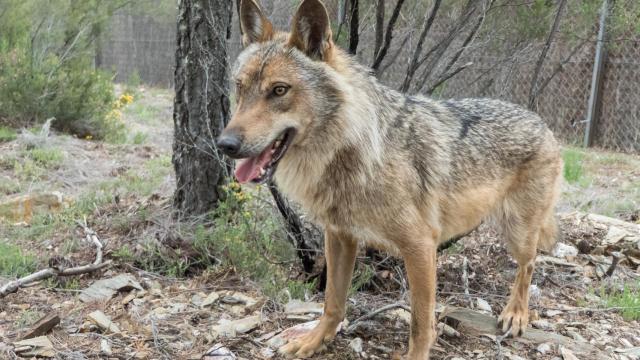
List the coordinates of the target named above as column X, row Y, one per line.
column 260, row 169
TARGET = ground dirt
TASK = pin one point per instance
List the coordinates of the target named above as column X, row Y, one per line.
column 170, row 317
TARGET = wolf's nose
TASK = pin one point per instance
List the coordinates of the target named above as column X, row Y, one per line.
column 229, row 144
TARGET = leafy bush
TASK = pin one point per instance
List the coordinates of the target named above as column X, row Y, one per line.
column 50, row 74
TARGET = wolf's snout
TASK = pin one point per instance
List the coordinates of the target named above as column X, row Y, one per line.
column 229, row 144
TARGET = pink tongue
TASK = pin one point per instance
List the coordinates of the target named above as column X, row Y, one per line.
column 249, row 169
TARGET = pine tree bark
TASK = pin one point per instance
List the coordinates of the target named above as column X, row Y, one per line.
column 201, row 105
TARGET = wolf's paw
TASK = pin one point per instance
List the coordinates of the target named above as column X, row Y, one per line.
column 310, row 343
column 514, row 318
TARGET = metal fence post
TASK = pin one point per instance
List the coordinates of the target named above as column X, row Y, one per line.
column 593, row 109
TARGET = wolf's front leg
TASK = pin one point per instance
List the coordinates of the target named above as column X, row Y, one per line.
column 340, row 252
column 420, row 261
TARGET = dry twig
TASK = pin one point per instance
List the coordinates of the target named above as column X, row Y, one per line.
column 98, row 264
column 373, row 313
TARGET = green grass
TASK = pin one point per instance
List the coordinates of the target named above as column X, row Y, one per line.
column 9, row 186
column 14, row 262
column 573, row 165
column 142, row 183
column 47, row 157
column 628, row 300
column 139, row 138
column 7, row 134
column 144, row 113
column 27, row 318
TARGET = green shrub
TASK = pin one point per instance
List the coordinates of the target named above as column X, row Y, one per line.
column 79, row 98
column 50, row 74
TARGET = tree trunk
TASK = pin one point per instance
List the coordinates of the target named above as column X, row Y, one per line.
column 201, row 105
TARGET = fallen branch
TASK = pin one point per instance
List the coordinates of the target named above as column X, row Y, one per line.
column 354, row 325
column 98, row 264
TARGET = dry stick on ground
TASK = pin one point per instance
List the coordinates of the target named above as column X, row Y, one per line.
column 372, row 314
column 98, row 264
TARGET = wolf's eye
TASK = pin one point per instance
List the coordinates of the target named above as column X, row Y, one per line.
column 280, row 90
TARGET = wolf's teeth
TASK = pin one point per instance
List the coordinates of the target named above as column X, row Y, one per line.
column 262, row 172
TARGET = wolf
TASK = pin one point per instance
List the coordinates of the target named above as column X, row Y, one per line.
column 374, row 166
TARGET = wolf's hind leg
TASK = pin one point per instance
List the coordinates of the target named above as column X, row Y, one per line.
column 528, row 223
column 515, row 316
column 340, row 253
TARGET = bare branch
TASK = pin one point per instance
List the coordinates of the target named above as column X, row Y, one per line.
column 91, row 237
column 465, row 45
column 543, row 55
column 394, row 57
column 441, row 48
column 413, row 65
column 560, row 67
column 354, row 25
column 388, row 35
column 379, row 28
column 446, row 77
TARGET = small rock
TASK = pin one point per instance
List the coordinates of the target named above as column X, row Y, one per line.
column 238, row 303
column 227, row 328
column 197, row 299
column 103, row 322
column 177, row 308
column 447, row 330
column 551, row 313
column 35, row 347
column 356, row 345
column 105, row 347
column 267, row 353
column 400, row 314
column 105, row 289
column 219, row 352
column 210, row 299
column 626, row 343
column 22, row 208
column 542, row 325
column 483, row 305
column 534, row 293
column 543, row 348
column 291, row 333
column 567, row 354
column 296, row 307
column 614, row 235
column 575, row 336
column 563, row 250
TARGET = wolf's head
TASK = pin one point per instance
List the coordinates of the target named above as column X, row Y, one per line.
column 286, row 89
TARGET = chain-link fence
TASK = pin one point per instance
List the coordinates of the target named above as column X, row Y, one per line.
column 502, row 67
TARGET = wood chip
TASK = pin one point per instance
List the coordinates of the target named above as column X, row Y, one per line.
column 42, row 326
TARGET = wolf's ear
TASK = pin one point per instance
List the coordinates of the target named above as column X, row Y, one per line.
column 255, row 26
column 311, row 30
